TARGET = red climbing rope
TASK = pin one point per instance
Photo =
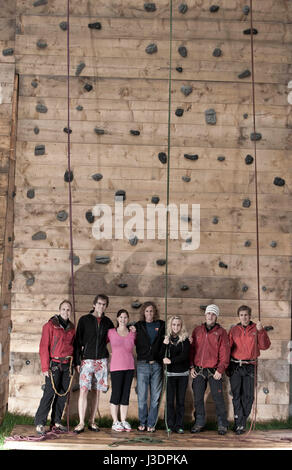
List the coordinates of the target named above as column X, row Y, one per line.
column 54, row 433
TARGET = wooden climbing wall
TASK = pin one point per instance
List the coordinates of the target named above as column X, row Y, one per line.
column 116, row 87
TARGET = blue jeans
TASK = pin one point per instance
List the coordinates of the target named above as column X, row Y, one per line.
column 148, row 375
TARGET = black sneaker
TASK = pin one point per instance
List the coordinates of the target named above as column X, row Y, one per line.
column 222, row 430
column 239, row 430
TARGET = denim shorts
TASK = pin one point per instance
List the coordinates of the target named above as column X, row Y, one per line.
column 94, row 374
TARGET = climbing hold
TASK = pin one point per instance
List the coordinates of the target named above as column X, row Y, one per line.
column 255, row 136
column 246, row 9
column 246, row 73
column 36, row 130
column 8, row 51
column 269, row 328
column 266, row 390
column 203, row 307
column 273, row 244
column 134, row 132
column 155, row 199
column 182, row 50
column 133, row 240
column 189, row 240
column 62, row 216
column 68, row 176
column 215, row 220
column 41, row 108
column 41, row 44
column 97, row 177
column 245, row 116
column 189, row 156
column 79, row 68
column 244, row 288
column 67, row 131
column 120, row 194
column 27, row 362
column 248, row 31
column 279, row 181
column 136, row 304
column 34, row 84
column 161, row 262
column 96, row 25
column 179, row 112
column 63, row 25
column 39, row 236
column 99, row 131
column 38, row 3
column 214, row 8
column 264, row 289
column 30, row 193
column 246, row 203
column 247, row 243
column 88, row 87
column 186, row 89
column 30, row 281
column 221, row 158
column 184, row 287
column 76, row 259
column 186, row 179
column 102, row 259
column 39, row 149
column 162, row 157
column 248, row 159
column 89, row 217
column 179, row 69
column 222, row 265
column 122, row 286
column 210, row 116
column 151, row 49
column 217, row 52
column 149, row 7
column 183, row 8
column 79, row 108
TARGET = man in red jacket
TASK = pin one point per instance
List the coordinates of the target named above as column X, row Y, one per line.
column 56, row 351
column 246, row 340
column 209, row 357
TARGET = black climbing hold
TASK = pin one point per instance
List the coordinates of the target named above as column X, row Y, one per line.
column 27, row 362
column 41, row 108
column 34, row 84
column 189, row 240
column 30, row 281
column 155, row 199
column 133, row 240
column 217, row 52
column 68, row 176
column 38, row 3
column 248, row 159
column 134, row 132
column 184, row 287
column 182, row 50
column 186, row 218
column 248, row 31
column 39, row 149
column 63, row 25
column 203, row 307
column 151, row 49
column 186, row 90
column 149, row 6
column 215, row 220
column 214, row 8
column 102, row 259
column 39, row 236
column 30, row 193
column 189, row 156
column 269, row 328
column 273, row 244
column 79, row 108
column 246, row 9
column 266, row 390
column 161, row 262
column 88, row 87
column 255, row 136
column 246, row 203
column 210, row 116
column 122, row 286
column 120, row 194
column 67, row 131
column 96, row 25
column 179, row 69
column 62, row 216
column 183, row 8
column 41, row 44
column 221, row 158
column 97, row 177
column 76, row 259
column 79, row 68
column 245, row 116
column 8, row 51
column 264, row 289
column 247, row 243
column 162, row 157
column 36, row 130
column 186, row 179
column 279, row 181
column 179, row 112
column 246, row 73
column 99, row 131
column 89, row 217
column 244, row 288
column 136, row 304
column 222, row 265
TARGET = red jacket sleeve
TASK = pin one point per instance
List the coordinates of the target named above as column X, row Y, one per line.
column 44, row 348
column 263, row 340
column 224, row 352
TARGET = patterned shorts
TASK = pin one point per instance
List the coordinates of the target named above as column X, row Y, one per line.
column 94, row 374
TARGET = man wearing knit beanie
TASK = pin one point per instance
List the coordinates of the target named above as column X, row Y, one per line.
column 209, row 358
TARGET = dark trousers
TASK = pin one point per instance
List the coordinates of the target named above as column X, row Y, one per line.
column 61, row 377
column 216, row 386
column 176, row 393
column 121, row 386
column 242, row 388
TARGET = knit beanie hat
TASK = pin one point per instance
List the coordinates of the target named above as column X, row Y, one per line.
column 212, row 309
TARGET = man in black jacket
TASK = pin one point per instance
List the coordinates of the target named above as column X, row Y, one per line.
column 91, row 357
column 150, row 335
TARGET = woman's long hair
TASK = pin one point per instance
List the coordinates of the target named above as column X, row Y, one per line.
column 183, row 334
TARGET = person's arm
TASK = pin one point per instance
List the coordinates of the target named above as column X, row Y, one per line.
column 263, row 338
column 44, row 349
column 78, row 345
column 224, row 355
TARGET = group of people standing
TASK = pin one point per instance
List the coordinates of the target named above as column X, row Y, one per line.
column 164, row 353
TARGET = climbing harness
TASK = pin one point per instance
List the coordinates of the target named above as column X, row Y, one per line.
column 71, row 373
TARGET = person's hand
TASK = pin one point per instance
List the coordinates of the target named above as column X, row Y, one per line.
column 217, row 375
column 259, row 326
column 132, row 328
column 193, row 373
column 166, row 360
column 191, row 339
column 166, row 340
column 77, row 369
column 46, row 374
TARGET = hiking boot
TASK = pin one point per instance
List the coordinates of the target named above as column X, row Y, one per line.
column 197, row 428
column 40, row 429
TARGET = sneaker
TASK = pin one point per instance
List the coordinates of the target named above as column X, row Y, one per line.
column 222, row 430
column 196, row 428
column 40, row 429
column 60, row 427
column 117, row 426
column 179, row 431
column 126, row 426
